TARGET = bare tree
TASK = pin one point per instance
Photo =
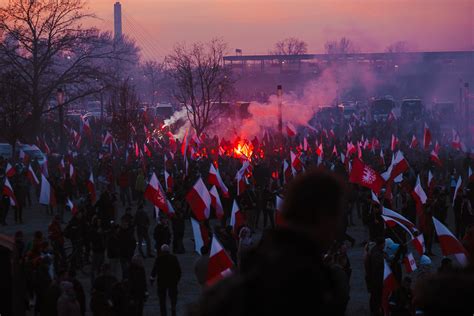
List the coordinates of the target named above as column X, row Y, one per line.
column 290, row 46
column 44, row 43
column 14, row 108
column 343, row 46
column 201, row 81
column 126, row 104
column 397, row 47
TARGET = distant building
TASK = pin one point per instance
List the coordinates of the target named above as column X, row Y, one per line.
column 117, row 21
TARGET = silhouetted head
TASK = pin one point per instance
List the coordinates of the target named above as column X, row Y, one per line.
column 314, row 204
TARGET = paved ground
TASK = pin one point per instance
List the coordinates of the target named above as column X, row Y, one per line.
column 35, row 218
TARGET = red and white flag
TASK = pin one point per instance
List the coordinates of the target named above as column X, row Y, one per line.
column 431, row 181
column 398, row 166
column 365, row 176
column 8, row 191
column 30, row 174
column 90, row 184
column 426, row 137
column 305, row 144
column 241, row 178
column 449, row 244
column 389, row 285
column 435, row 158
column 219, row 265
column 334, row 151
column 47, row 196
column 237, row 218
column 319, row 150
column 410, row 263
column 414, row 142
column 419, row 196
column 290, row 129
column 72, row 207
column 155, row 194
column 216, row 202
column 199, row 200
column 146, row 150
column 295, row 161
column 200, row 234
column 287, row 172
column 456, row 142
column 86, row 128
column 214, row 178
column 10, row 171
column 107, row 139
column 394, row 143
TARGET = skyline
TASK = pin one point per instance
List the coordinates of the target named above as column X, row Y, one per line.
column 255, row 25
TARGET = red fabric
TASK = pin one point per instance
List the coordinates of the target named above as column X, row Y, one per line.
column 365, row 176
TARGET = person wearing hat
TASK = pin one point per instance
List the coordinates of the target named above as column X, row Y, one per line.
column 167, row 273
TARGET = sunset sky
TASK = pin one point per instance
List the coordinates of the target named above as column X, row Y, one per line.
column 255, row 25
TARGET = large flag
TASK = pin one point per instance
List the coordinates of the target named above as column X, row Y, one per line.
column 389, row 285
column 365, row 176
column 47, row 196
column 155, row 194
column 449, row 244
column 200, row 234
column 216, row 202
column 219, row 265
column 8, row 191
column 237, row 219
column 397, row 167
column 90, row 184
column 426, row 137
column 199, row 200
column 214, row 178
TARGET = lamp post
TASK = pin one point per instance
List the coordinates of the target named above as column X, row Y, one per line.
column 280, row 114
column 60, row 99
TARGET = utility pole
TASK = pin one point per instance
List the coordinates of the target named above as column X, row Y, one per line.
column 280, row 114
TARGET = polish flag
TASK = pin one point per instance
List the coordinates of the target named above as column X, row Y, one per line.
column 90, row 184
column 410, row 263
column 8, row 191
column 437, row 147
column 107, row 139
column 47, row 196
column 86, row 128
column 419, row 242
column 146, row 150
column 168, row 182
column 375, row 198
column 319, row 150
column 431, row 181
column 456, row 142
column 389, row 285
column 200, row 234
column 456, row 190
column 278, row 211
column 32, row 176
column 295, row 161
column 419, row 196
column 199, row 200
column 351, row 149
column 397, row 167
column 305, row 144
column 449, row 244
column 155, row 194
column 241, row 178
column 72, row 207
column 10, row 171
column 414, row 142
column 184, row 144
column 382, row 157
column 214, row 178
column 426, row 137
column 216, row 202
column 365, row 176
column 219, row 265
column 435, row 158
column 237, row 219
column 334, row 151
column 394, row 143
column 290, row 129
column 398, row 217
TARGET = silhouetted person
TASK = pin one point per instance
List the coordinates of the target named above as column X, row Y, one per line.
column 288, row 261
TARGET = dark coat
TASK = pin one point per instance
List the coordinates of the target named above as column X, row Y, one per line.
column 166, row 270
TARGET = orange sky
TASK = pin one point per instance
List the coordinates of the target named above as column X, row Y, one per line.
column 255, row 25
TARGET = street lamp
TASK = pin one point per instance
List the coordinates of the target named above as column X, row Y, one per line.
column 280, row 114
column 60, row 100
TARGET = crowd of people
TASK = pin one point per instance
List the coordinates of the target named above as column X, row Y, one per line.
column 287, row 259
